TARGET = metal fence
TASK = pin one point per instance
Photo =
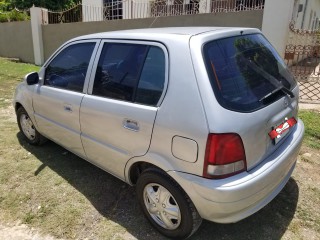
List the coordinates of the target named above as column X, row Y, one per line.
column 236, row 6
column 303, row 56
column 132, row 9
column 73, row 14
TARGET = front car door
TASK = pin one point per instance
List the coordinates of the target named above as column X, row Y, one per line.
column 57, row 99
column 117, row 115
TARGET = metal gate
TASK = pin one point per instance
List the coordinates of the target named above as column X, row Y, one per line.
column 302, row 55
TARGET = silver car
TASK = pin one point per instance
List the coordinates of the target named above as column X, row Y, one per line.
column 202, row 120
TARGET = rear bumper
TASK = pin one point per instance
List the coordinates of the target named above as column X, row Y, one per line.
column 235, row 198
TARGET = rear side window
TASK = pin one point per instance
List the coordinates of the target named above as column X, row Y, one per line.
column 130, row 72
column 243, row 70
column 152, row 77
column 69, row 68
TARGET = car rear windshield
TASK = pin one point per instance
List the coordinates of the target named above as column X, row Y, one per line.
column 245, row 72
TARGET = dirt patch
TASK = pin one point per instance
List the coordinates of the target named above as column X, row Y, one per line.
column 21, row 232
column 8, row 113
column 310, row 106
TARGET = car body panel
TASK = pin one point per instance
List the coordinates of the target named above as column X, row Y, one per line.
column 253, row 127
column 56, row 112
column 232, row 199
column 105, row 139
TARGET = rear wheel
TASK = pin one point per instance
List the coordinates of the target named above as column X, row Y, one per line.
column 166, row 205
column 28, row 129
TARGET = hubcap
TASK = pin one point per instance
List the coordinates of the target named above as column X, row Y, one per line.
column 27, row 127
column 162, row 206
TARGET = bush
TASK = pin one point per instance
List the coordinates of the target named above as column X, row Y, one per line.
column 13, row 16
column 4, row 17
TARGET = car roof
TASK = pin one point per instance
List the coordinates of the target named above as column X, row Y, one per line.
column 159, row 33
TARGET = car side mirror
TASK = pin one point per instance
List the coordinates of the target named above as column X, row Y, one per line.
column 32, row 78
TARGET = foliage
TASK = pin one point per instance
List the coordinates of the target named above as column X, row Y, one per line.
column 4, row 17
column 3, row 5
column 13, row 16
column 49, row 4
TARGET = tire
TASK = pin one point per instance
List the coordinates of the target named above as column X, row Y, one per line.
column 166, row 205
column 28, row 129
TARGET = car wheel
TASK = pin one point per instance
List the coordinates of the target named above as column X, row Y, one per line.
column 166, row 205
column 28, row 129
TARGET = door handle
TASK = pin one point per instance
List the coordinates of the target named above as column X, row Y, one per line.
column 131, row 125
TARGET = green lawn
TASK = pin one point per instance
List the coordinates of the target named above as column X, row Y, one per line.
column 11, row 74
column 311, row 120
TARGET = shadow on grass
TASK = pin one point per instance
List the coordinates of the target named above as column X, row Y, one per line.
column 116, row 200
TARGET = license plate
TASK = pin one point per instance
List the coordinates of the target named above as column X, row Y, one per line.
column 278, row 132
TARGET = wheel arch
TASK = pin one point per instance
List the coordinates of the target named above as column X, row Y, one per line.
column 135, row 166
column 17, row 105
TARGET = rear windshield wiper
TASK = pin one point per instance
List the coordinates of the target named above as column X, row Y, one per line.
column 279, row 86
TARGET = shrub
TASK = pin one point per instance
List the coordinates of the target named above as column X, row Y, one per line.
column 4, row 17
column 14, row 15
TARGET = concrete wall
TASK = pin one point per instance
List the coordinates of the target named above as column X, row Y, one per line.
column 306, row 19
column 16, row 41
column 276, row 18
column 56, row 34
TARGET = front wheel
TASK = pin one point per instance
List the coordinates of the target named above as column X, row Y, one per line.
column 166, row 205
column 28, row 129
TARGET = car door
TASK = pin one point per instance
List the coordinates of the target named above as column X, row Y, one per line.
column 57, row 99
column 118, row 114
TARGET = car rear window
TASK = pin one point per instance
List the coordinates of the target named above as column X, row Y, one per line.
column 244, row 70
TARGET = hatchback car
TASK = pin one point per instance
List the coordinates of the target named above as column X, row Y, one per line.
column 202, row 120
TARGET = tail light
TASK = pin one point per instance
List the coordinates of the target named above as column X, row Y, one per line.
column 224, row 156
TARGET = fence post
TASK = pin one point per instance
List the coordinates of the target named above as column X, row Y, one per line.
column 204, row 6
column 127, row 9
column 275, row 24
column 92, row 10
column 36, row 28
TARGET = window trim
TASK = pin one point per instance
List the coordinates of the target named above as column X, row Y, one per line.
column 137, row 42
column 62, row 48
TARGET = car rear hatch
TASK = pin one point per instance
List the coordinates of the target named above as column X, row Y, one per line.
column 250, row 90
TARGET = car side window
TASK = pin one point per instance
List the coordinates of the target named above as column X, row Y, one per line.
column 69, row 68
column 130, row 72
column 152, row 78
column 118, row 70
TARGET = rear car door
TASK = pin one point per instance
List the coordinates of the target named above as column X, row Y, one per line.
column 118, row 114
column 250, row 88
column 57, row 99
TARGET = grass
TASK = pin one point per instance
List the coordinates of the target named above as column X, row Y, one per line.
column 59, row 194
column 311, row 120
column 11, row 74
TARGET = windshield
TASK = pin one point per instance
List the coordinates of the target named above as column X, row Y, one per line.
column 243, row 70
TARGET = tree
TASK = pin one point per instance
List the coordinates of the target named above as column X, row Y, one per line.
column 3, row 5
column 49, row 4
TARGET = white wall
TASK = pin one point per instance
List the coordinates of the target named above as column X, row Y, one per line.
column 313, row 7
column 306, row 19
column 92, row 10
column 275, row 25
